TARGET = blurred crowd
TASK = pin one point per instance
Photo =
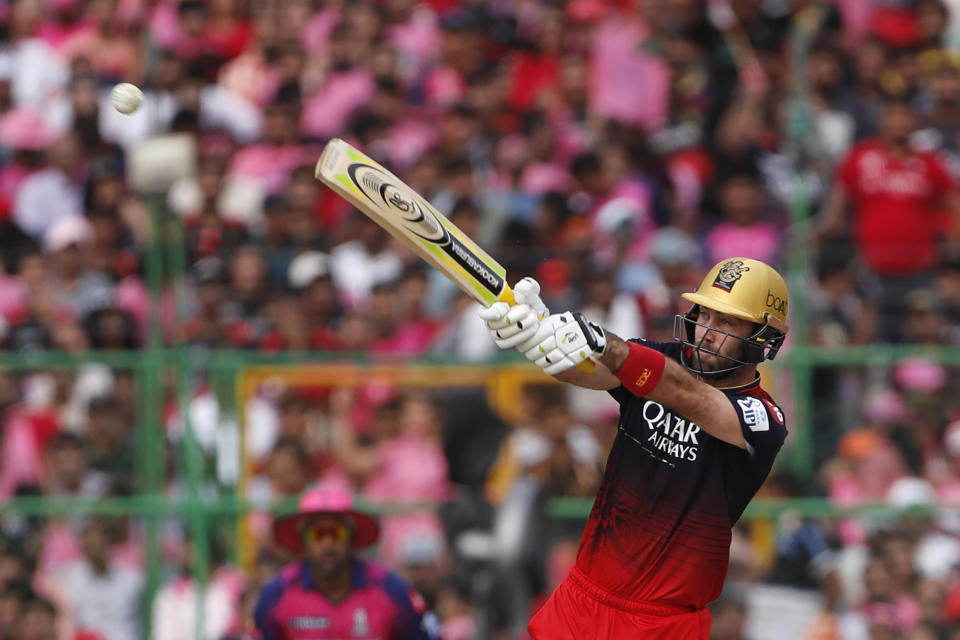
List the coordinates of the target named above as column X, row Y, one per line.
column 610, row 148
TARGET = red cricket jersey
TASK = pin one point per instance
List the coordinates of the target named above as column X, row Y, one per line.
column 897, row 206
column 660, row 529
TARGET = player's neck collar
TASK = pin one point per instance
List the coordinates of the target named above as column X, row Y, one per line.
column 743, row 387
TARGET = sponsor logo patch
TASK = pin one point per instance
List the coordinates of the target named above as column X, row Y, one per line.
column 310, row 622
column 774, row 411
column 754, row 415
column 644, row 376
column 776, row 303
column 730, row 272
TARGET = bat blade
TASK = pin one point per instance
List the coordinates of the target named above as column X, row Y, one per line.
column 389, row 202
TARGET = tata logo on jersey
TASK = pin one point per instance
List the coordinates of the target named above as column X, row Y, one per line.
column 776, row 303
column 670, row 434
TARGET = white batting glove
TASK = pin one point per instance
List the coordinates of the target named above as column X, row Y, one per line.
column 565, row 340
column 510, row 326
column 527, row 291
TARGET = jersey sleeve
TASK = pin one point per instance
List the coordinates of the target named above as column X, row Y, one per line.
column 763, row 427
column 263, row 615
column 413, row 621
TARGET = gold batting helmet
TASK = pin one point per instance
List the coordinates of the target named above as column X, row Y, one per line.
column 747, row 289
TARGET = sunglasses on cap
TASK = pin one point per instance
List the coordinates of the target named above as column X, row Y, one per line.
column 323, row 530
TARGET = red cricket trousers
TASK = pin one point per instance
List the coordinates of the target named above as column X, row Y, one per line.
column 580, row 610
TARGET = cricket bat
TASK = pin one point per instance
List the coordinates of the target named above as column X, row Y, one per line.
column 405, row 215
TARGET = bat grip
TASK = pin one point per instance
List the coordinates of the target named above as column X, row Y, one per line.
column 587, row 366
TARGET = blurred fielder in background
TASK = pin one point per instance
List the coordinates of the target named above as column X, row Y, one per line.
column 332, row 593
column 697, row 438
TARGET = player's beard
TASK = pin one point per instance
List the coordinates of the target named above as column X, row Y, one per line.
column 329, row 564
column 723, row 366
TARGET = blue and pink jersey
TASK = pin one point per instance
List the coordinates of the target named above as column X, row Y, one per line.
column 379, row 606
column 660, row 528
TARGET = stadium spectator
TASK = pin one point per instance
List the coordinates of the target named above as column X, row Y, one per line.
column 104, row 596
column 896, row 196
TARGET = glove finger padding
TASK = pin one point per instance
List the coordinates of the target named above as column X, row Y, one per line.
column 527, row 291
column 494, row 313
column 516, row 326
column 535, row 346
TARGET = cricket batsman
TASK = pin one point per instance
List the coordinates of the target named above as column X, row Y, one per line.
column 696, row 439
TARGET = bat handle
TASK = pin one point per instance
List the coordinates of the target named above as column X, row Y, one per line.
column 587, row 366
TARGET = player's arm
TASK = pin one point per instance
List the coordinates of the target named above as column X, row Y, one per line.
column 263, row 614
column 413, row 621
column 677, row 388
column 600, row 378
column 643, row 371
column 646, row 372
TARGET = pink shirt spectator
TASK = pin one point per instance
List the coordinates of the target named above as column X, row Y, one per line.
column 12, row 295
column 395, row 531
column 116, row 58
column 271, row 165
column 12, row 176
column 856, row 16
column 760, row 241
column 408, row 141
column 250, row 77
column 56, row 34
column 132, row 296
column 443, row 87
column 417, row 41
column 327, row 111
column 411, row 338
column 316, row 33
column 61, row 547
column 616, row 54
column 21, row 454
column 410, row 469
column 164, row 25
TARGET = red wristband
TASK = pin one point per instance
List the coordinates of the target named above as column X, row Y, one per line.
column 642, row 369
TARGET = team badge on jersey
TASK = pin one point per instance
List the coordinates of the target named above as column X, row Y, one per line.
column 730, row 272
column 361, row 626
column 754, row 414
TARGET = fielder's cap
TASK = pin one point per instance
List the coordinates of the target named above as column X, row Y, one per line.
column 325, row 501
